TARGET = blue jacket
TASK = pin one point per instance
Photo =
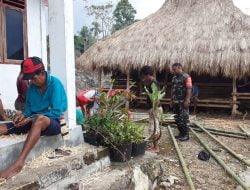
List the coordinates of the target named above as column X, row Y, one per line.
column 52, row 103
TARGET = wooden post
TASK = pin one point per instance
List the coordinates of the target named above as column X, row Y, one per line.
column 100, row 78
column 234, row 108
column 127, row 87
column 139, row 84
column 155, row 72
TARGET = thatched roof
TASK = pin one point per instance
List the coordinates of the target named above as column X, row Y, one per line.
column 206, row 36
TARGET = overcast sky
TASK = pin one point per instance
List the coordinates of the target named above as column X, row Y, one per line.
column 143, row 8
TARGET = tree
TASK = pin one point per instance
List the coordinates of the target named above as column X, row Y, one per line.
column 103, row 16
column 96, row 30
column 83, row 40
column 124, row 15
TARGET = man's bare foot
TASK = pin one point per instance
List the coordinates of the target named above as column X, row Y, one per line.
column 154, row 149
column 12, row 170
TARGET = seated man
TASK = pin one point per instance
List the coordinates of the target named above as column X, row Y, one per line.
column 3, row 116
column 45, row 103
column 22, row 87
column 195, row 94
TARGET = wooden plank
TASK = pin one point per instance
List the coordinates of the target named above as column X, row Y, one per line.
column 241, row 94
column 234, row 108
column 100, row 78
column 243, row 98
column 128, row 87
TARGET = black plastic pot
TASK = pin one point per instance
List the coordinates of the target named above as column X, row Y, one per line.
column 91, row 139
column 121, row 153
column 138, row 149
column 100, row 140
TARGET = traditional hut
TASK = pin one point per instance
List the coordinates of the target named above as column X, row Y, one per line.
column 207, row 36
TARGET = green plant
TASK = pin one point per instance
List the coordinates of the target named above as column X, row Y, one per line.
column 112, row 120
column 155, row 96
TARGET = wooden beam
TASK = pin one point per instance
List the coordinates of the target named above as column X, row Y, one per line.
column 234, row 107
column 140, row 84
column 100, row 78
column 127, row 87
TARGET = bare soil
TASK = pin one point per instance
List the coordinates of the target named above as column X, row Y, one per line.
column 206, row 175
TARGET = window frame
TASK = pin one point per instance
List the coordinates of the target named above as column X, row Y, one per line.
column 3, row 45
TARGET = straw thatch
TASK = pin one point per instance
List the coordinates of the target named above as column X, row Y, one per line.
column 206, row 36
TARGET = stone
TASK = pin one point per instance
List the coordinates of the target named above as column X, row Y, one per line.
column 76, row 164
column 200, row 180
column 89, row 158
column 58, row 174
column 73, row 186
column 172, row 179
column 153, row 169
column 29, row 186
column 102, row 153
column 165, row 185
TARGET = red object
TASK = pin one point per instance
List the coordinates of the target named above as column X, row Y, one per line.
column 82, row 99
column 112, row 93
column 29, row 66
column 22, row 87
column 189, row 82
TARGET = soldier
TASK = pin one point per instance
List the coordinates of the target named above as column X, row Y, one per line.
column 181, row 94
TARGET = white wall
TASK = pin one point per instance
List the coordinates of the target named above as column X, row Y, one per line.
column 8, row 76
column 62, row 58
column 36, row 47
column 36, row 29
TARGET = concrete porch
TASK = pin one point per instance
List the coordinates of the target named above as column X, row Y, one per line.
column 11, row 146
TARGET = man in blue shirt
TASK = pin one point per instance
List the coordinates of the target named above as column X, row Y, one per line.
column 46, row 101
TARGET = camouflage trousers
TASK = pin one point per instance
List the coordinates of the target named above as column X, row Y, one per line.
column 181, row 118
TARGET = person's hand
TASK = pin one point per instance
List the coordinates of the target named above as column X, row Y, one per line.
column 186, row 103
column 23, row 122
column 91, row 99
column 18, row 118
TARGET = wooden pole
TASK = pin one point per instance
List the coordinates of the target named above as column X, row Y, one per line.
column 182, row 161
column 244, row 160
column 140, row 84
column 127, row 87
column 221, row 162
column 234, row 108
column 100, row 78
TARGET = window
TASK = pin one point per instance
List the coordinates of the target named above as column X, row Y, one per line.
column 12, row 34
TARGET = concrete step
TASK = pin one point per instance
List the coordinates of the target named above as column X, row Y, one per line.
column 11, row 146
column 54, row 170
column 140, row 173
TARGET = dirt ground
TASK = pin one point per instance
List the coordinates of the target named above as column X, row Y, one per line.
column 206, row 175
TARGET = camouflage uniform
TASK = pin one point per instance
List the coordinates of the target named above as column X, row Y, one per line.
column 179, row 91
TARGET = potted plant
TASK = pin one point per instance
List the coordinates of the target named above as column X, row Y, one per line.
column 139, row 140
column 119, row 137
column 92, row 130
column 113, row 124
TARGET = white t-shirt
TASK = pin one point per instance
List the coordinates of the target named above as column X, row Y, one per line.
column 89, row 93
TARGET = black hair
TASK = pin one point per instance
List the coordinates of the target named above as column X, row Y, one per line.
column 146, row 70
column 177, row 65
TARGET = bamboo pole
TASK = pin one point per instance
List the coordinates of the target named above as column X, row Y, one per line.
column 183, row 164
column 245, row 161
column 217, row 132
column 221, row 162
column 222, row 131
column 222, row 134
column 244, row 130
column 234, row 108
column 127, row 87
